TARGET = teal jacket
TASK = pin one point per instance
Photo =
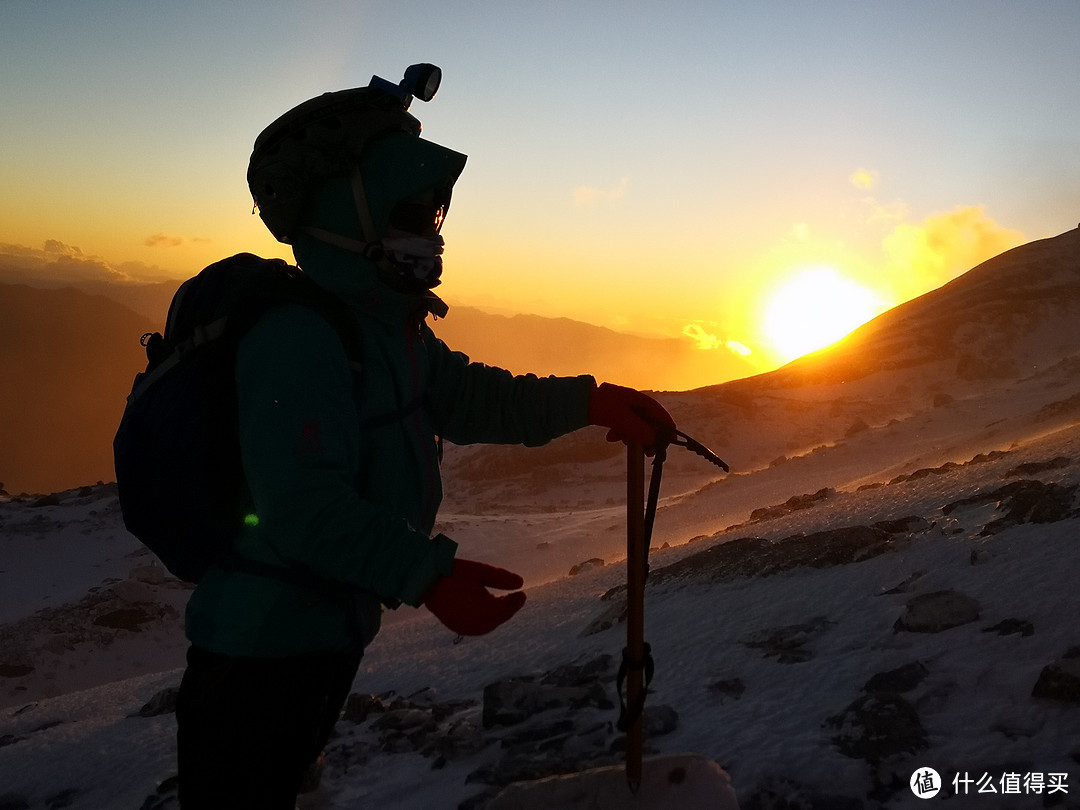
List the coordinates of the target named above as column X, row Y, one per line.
column 343, row 466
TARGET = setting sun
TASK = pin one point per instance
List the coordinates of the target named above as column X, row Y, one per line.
column 815, row 308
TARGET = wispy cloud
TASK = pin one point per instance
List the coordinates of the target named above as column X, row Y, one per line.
column 866, row 179
column 591, row 195
column 925, row 256
column 168, row 240
column 163, row 240
column 707, row 341
column 57, row 261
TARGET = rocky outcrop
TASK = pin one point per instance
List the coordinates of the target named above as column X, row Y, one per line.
column 937, row 611
column 527, row 726
column 756, row 557
column 1060, row 680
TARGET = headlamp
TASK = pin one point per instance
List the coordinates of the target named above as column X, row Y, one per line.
column 421, row 81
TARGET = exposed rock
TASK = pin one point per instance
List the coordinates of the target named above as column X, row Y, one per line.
column 906, row 585
column 64, row 798
column 1036, row 467
column 165, row 797
column 312, row 777
column 130, row 618
column 1032, row 502
column 150, row 574
column 1060, row 680
column 878, row 726
column 15, row 670
column 133, row 591
column 730, row 687
column 905, row 525
column 937, row 611
column 656, row 721
column 1009, row 627
column 612, row 615
column 588, row 565
column 553, row 748
column 925, row 473
column 164, row 702
column 415, row 724
column 784, row 794
column 1024, row 501
column 405, row 730
column 358, row 707
column 756, row 557
column 515, row 700
column 899, row 680
column 539, row 733
column 793, row 504
column 461, row 739
column 578, row 674
column 788, row 643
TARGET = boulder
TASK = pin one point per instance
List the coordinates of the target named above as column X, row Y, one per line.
column 937, row 611
column 1060, row 680
column 876, row 727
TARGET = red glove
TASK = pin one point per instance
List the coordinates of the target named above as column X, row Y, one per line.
column 622, row 410
column 463, row 603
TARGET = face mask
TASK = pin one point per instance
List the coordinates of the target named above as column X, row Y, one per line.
column 417, row 259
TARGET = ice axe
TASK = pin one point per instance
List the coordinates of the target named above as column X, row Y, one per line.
column 637, row 663
column 684, row 781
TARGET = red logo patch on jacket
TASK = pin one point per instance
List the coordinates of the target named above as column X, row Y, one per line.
column 310, row 441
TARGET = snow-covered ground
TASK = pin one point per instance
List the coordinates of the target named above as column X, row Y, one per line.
column 761, row 710
column 943, row 634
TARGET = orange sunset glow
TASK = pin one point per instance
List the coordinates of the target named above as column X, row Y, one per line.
column 685, row 196
column 814, row 308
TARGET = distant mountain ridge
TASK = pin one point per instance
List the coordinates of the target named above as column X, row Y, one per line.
column 561, row 346
column 68, row 356
column 67, row 360
column 997, row 350
column 149, row 299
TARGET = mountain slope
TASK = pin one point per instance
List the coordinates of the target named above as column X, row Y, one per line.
column 1007, row 317
column 987, row 361
column 67, row 360
column 531, row 343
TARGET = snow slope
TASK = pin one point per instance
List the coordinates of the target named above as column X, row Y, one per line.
column 766, row 646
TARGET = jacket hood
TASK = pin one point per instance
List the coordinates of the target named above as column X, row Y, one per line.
column 395, row 168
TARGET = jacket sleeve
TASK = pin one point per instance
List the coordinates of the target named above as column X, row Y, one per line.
column 299, row 438
column 472, row 402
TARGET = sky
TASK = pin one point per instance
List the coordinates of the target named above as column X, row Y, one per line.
column 753, row 176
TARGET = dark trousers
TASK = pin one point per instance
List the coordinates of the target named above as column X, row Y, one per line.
column 248, row 728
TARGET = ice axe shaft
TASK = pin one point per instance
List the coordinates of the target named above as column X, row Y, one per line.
column 636, row 562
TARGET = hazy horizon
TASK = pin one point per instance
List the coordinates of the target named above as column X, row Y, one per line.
column 750, row 176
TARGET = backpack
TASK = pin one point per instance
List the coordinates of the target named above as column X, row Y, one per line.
column 177, row 449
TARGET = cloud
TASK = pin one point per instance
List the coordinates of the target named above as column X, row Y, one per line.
column 707, row 341
column 168, row 240
column 57, row 261
column 865, row 179
column 590, row 195
column 163, row 240
column 923, row 257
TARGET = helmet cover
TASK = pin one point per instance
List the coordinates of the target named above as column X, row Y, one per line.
column 320, row 138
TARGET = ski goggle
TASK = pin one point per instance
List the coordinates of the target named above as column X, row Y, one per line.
column 422, row 214
column 417, row 217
